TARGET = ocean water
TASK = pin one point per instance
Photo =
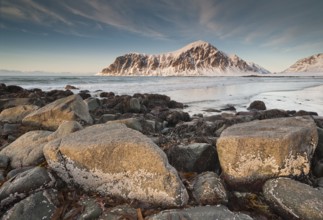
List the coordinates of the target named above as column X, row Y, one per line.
column 199, row 93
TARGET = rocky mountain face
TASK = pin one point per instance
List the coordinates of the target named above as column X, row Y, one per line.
column 198, row 58
column 309, row 64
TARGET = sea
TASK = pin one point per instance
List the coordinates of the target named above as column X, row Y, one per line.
column 201, row 95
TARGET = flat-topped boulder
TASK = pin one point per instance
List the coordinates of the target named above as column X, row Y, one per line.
column 114, row 160
column 16, row 114
column 252, row 152
column 71, row 108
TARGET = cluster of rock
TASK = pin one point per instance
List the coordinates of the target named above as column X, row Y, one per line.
column 73, row 156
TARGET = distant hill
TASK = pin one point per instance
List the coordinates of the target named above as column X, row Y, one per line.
column 309, row 64
column 196, row 59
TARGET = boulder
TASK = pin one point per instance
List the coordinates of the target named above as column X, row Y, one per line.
column 25, row 183
column 27, row 150
column 12, row 102
column 252, row 152
column 92, row 103
column 294, row 200
column 257, row 105
column 120, row 212
column 200, row 212
column 114, row 160
column 209, row 190
column 133, row 123
column 4, row 161
column 92, row 209
column 41, row 205
column 134, row 105
column 196, row 157
column 71, row 108
column 16, row 114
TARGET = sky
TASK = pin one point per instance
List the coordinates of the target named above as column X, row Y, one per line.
column 84, row 36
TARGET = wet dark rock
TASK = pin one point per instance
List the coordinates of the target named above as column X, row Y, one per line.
column 57, row 94
column 16, row 171
column 257, row 105
column 319, row 182
column 93, row 103
column 4, row 161
column 107, row 117
column 107, row 94
column 294, row 200
column 134, row 105
column 25, row 183
column 84, row 95
column 10, row 128
column 208, row 189
column 197, row 157
column 14, row 89
column 318, row 168
column 200, row 212
column 41, row 205
column 228, row 108
column 2, row 176
column 174, row 117
column 120, row 212
column 318, row 120
column 303, row 113
column 91, row 209
column 272, row 113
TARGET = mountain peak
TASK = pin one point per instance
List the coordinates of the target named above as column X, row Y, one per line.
column 195, row 59
column 312, row 63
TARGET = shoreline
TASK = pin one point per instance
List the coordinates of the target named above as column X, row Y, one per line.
column 187, row 147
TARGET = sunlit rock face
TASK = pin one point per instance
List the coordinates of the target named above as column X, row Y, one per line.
column 252, row 152
column 114, row 160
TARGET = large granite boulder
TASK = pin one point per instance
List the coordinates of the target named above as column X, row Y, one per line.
column 209, row 190
column 115, row 160
column 71, row 108
column 16, row 114
column 27, row 150
column 41, row 205
column 294, row 200
column 200, row 212
column 252, row 152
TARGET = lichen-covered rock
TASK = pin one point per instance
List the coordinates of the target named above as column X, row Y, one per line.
column 196, row 157
column 27, row 150
column 252, row 152
column 294, row 200
column 16, row 114
column 24, row 183
column 209, row 190
column 200, row 212
column 114, row 160
column 71, row 108
column 41, row 205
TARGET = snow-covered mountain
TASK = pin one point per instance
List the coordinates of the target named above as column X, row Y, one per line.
column 309, row 64
column 196, row 59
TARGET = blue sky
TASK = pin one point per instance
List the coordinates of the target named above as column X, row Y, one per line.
column 85, row 36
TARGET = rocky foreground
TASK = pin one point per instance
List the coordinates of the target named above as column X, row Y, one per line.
column 73, row 156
